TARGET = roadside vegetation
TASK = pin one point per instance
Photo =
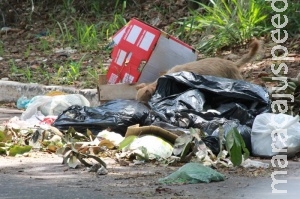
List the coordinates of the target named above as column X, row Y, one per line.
column 65, row 42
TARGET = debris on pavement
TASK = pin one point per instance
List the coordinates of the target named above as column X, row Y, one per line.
column 274, row 134
column 115, row 114
column 113, row 137
column 148, row 147
column 52, row 105
column 192, row 173
column 254, row 164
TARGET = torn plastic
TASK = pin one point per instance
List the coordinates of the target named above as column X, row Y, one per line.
column 148, row 142
column 192, row 173
column 22, row 102
column 181, row 98
column 116, row 115
column 254, row 164
column 149, row 147
column 274, row 134
column 113, row 137
column 52, row 105
column 187, row 100
column 212, row 129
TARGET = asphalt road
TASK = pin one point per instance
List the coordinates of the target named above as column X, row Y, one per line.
column 48, row 178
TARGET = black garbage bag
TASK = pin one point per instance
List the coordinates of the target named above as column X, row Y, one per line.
column 184, row 98
column 116, row 115
column 212, row 129
column 213, row 143
column 187, row 100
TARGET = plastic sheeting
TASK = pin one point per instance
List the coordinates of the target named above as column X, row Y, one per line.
column 116, row 115
column 274, row 134
column 212, row 129
column 192, row 173
column 181, row 100
column 187, row 100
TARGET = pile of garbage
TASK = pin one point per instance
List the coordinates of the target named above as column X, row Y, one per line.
column 203, row 121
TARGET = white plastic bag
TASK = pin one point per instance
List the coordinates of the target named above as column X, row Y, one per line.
column 53, row 105
column 274, row 134
column 154, row 147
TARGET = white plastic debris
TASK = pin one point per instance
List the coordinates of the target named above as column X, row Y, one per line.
column 150, row 147
column 115, row 138
column 102, row 171
column 65, row 50
column 5, row 29
column 53, row 105
column 254, row 163
column 274, row 134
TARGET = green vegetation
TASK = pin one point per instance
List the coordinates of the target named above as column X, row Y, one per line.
column 2, row 136
column 17, row 149
column 236, row 147
column 1, row 48
column 227, row 22
column 87, row 26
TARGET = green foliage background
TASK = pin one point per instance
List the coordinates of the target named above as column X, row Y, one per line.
column 87, row 26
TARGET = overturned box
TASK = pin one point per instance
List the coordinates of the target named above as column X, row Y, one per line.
column 141, row 53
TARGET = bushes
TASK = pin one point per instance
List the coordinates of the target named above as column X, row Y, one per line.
column 228, row 22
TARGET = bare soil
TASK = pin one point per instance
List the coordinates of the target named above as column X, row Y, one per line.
column 25, row 57
column 40, row 173
column 43, row 173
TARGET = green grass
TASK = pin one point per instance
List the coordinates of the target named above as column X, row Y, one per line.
column 183, row 30
column 27, row 51
column 73, row 71
column 13, row 67
column 68, row 6
column 224, row 23
column 87, row 26
column 68, row 72
column 22, row 72
column 1, row 48
column 292, row 12
column 83, row 36
column 66, row 36
column 109, row 28
column 27, row 73
column 87, row 35
column 44, row 44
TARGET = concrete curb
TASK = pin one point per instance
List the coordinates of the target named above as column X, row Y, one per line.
column 11, row 91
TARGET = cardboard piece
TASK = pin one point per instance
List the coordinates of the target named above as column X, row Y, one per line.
column 151, row 130
column 116, row 91
column 107, row 92
column 142, row 52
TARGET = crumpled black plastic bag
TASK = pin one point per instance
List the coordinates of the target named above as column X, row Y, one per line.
column 212, row 129
column 185, row 98
column 116, row 115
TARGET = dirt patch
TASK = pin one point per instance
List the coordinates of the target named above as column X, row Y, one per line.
column 30, row 54
column 43, row 170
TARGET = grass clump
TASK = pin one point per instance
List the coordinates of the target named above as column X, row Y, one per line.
column 16, row 149
column 224, row 23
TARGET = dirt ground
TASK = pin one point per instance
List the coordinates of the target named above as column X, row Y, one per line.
column 43, row 175
column 24, row 58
